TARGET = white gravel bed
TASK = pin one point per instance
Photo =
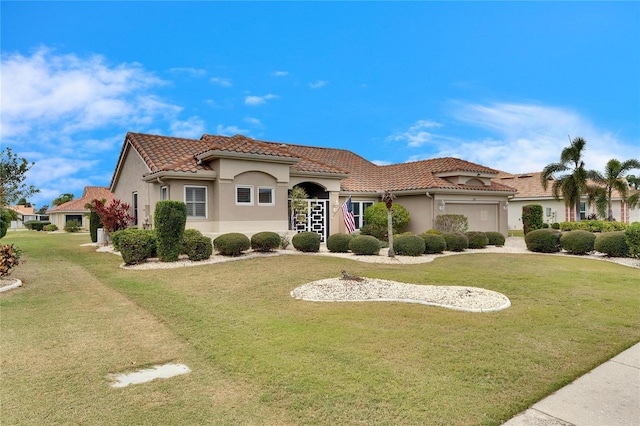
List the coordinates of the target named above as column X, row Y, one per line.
column 470, row 299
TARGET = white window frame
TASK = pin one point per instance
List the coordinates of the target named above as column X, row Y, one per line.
column 583, row 210
column 273, row 195
column 164, row 192
column 359, row 218
column 206, row 201
column 244, row 203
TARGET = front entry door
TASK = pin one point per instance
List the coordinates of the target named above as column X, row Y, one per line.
column 316, row 220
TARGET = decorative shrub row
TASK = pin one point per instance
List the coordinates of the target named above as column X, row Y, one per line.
column 306, row 241
column 35, row 225
column 495, row 238
column 433, row 242
column 339, row 243
column 365, row 245
column 409, row 245
column 477, row 239
column 232, row 244
column 543, row 241
column 612, row 244
column 593, row 226
column 169, row 222
column 578, row 242
column 456, row 241
column 265, row 241
column 72, row 225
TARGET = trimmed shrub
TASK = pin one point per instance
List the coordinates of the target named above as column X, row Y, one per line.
column 187, row 236
column 9, row 258
column 232, row 244
column 632, row 236
column 545, row 225
column 477, row 239
column 72, row 225
column 555, row 225
column 495, row 238
column 265, row 241
column 35, row 225
column 433, row 243
column 593, row 226
column 94, row 224
column 532, row 217
column 375, row 219
column 306, row 242
column 455, row 241
column 339, row 243
column 169, row 220
column 612, row 244
column 577, row 242
column 199, row 247
column 136, row 245
column 451, row 223
column 364, row 245
column 408, row 245
column 433, row 231
column 543, row 241
column 5, row 221
column 50, row 227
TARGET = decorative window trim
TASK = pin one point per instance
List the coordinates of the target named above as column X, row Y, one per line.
column 272, row 196
column 250, row 193
column 206, row 201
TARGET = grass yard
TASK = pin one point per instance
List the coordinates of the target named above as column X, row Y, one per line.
column 260, row 357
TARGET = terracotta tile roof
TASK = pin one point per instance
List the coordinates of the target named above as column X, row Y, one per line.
column 530, row 186
column 89, row 193
column 162, row 153
column 23, row 210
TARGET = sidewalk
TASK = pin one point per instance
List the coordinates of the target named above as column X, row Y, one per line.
column 609, row 395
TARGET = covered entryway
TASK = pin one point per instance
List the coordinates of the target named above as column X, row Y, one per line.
column 316, row 217
column 481, row 217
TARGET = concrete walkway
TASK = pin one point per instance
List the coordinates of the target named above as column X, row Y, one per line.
column 609, row 395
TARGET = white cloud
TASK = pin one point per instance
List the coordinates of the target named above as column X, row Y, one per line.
column 192, row 128
column 416, row 135
column 193, row 72
column 224, row 82
column 318, row 84
column 280, row 73
column 259, row 100
column 254, row 122
column 230, row 130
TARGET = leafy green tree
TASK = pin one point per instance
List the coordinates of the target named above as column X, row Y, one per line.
column 612, row 179
column 23, row 202
column 573, row 183
column 63, row 198
column 13, row 171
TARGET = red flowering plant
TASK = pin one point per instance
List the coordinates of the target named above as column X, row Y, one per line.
column 113, row 215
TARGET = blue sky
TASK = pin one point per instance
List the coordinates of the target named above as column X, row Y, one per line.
column 503, row 84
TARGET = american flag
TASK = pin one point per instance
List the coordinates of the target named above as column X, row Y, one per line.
column 347, row 214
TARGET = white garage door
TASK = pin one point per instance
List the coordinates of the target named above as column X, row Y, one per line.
column 481, row 217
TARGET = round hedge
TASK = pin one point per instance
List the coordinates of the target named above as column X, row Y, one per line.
column 186, row 238
column 433, row 243
column 199, row 248
column 543, row 241
column 306, row 242
column 136, row 245
column 231, row 244
column 577, row 242
column 495, row 238
column 339, row 243
column 612, row 244
column 456, row 241
column 408, row 245
column 265, row 241
column 477, row 239
column 364, row 245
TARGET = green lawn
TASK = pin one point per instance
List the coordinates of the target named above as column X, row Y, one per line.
column 260, row 357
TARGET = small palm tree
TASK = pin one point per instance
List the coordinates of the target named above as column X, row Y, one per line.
column 612, row 179
column 387, row 198
column 573, row 184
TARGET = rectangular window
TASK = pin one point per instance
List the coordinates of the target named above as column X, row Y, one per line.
column 244, row 195
column 583, row 211
column 195, row 197
column 358, row 211
column 134, row 207
column 164, row 193
column 265, row 196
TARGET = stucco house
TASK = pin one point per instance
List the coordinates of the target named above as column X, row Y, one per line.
column 239, row 184
column 75, row 209
column 530, row 191
column 25, row 214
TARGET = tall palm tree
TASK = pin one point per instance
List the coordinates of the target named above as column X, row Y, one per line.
column 573, row 184
column 612, row 179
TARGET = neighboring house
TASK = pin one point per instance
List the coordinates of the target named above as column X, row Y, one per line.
column 25, row 214
column 238, row 184
column 75, row 209
column 530, row 191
